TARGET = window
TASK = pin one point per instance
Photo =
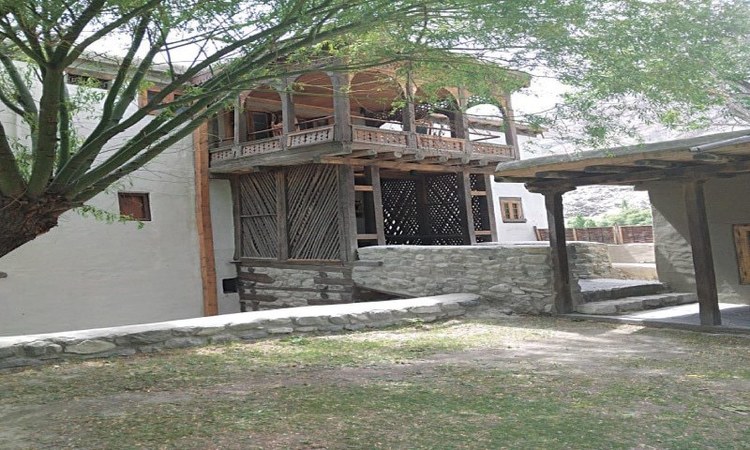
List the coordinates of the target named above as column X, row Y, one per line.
column 742, row 246
column 146, row 96
column 511, row 209
column 84, row 80
column 135, row 205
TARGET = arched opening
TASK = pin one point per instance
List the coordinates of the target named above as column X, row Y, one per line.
column 486, row 120
column 376, row 100
column 313, row 100
column 438, row 114
column 262, row 114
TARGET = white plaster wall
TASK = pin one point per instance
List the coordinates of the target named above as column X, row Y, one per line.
column 222, row 220
column 87, row 274
column 533, row 210
column 672, row 246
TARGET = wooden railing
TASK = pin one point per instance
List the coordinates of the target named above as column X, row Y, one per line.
column 363, row 135
column 485, row 148
column 369, row 135
column 310, row 137
column 428, row 142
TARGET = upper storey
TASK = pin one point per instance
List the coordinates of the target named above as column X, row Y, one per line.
column 361, row 118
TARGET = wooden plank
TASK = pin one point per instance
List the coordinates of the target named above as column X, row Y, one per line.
column 558, row 252
column 373, row 173
column 367, row 237
column 703, row 261
column 483, row 232
column 467, row 216
column 334, row 289
column 301, row 155
column 742, row 248
column 509, row 124
column 491, row 207
column 348, row 216
column 282, row 232
column 478, row 193
column 203, row 222
column 298, row 264
column 362, row 188
column 341, row 107
column 406, row 166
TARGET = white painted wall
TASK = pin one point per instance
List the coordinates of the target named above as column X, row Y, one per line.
column 222, row 220
column 533, row 210
column 88, row 274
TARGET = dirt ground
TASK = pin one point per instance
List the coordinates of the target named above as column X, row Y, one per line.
column 490, row 381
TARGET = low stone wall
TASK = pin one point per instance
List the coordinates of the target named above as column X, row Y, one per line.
column 513, row 276
column 278, row 285
column 19, row 351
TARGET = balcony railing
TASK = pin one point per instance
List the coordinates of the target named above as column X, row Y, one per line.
column 363, row 135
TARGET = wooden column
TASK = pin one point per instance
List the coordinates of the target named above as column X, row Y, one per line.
column 509, row 123
column 462, row 121
column 240, row 124
column 377, row 200
column 409, row 113
column 347, row 216
column 234, row 182
column 341, row 107
column 491, row 207
column 467, row 215
column 703, row 261
column 558, row 252
column 203, row 222
column 287, row 112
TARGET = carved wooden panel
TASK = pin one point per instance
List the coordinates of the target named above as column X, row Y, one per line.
column 313, row 212
column 486, row 148
column 258, row 233
column 371, row 135
column 311, row 136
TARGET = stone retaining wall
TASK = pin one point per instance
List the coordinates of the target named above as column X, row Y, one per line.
column 513, row 276
column 19, row 351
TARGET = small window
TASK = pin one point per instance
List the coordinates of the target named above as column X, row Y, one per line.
column 742, row 246
column 83, row 80
column 135, row 205
column 511, row 209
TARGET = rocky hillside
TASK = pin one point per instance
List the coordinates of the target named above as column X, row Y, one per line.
column 588, row 201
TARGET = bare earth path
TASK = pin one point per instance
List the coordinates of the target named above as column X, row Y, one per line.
column 484, row 382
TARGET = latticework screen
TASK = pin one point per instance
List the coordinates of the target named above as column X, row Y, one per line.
column 258, row 234
column 312, row 212
column 444, row 210
column 400, row 212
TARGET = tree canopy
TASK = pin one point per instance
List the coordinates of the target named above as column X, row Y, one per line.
column 676, row 57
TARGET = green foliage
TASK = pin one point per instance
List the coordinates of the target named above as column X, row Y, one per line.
column 626, row 215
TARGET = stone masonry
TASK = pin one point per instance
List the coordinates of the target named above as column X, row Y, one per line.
column 19, row 351
column 516, row 277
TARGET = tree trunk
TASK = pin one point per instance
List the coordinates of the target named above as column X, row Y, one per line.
column 22, row 220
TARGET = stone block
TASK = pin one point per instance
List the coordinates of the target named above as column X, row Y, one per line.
column 222, row 338
column 146, row 337
column 90, row 346
column 280, row 330
column 184, row 342
column 311, row 321
column 253, row 335
column 40, row 348
column 339, row 320
column 431, row 309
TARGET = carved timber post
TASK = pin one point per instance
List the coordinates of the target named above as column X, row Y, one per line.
column 409, row 113
column 558, row 251
column 467, row 214
column 509, row 123
column 462, row 121
column 288, row 119
column 341, row 107
column 703, row 261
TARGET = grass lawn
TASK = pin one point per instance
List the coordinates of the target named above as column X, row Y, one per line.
column 485, row 383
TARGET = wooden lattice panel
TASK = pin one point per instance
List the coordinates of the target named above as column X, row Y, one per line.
column 313, row 212
column 444, row 210
column 258, row 232
column 400, row 211
column 425, row 141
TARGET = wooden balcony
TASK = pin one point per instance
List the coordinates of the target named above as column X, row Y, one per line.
column 363, row 146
